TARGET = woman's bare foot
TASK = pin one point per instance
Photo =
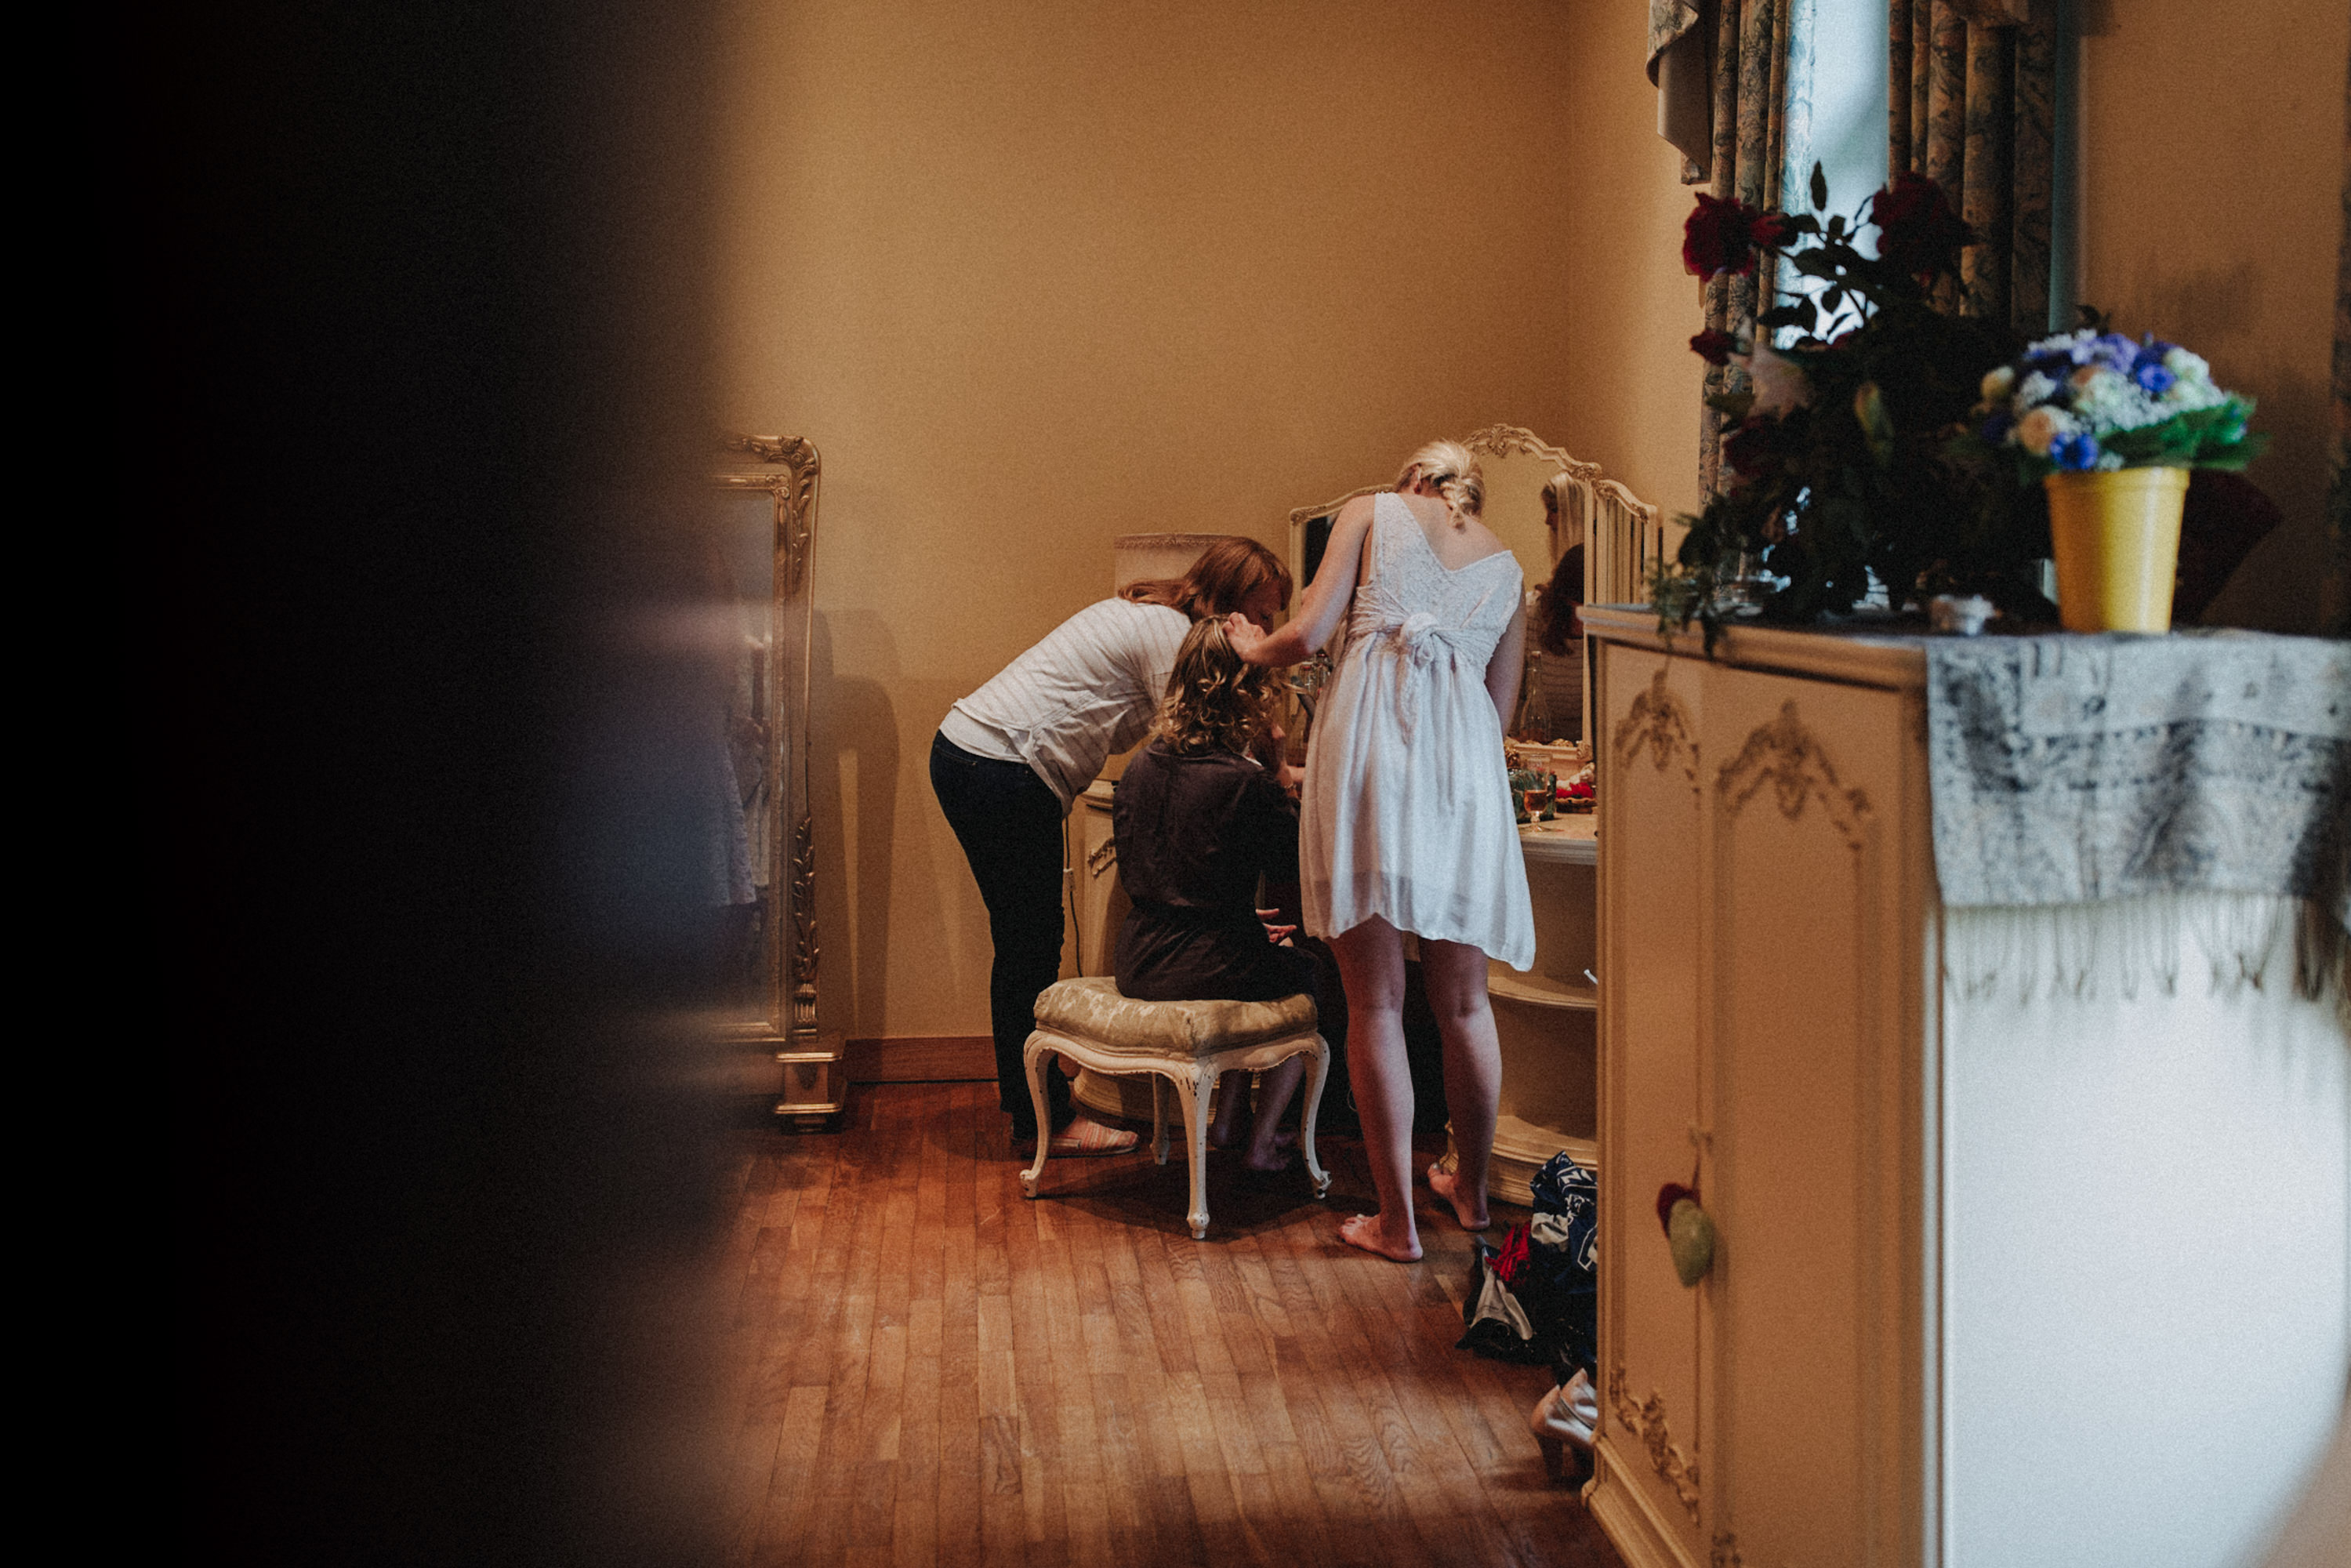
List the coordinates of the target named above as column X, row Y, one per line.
column 1447, row 1184
column 1371, row 1233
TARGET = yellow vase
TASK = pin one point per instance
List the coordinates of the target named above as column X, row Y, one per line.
column 2118, row 542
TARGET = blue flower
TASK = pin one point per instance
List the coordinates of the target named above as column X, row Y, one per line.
column 1994, row 430
column 2074, row 453
column 2147, row 368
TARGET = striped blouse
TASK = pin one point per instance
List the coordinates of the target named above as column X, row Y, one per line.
column 1082, row 694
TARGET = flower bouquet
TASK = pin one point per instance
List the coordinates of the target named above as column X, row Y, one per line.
column 1841, row 448
column 2108, row 429
column 2097, row 401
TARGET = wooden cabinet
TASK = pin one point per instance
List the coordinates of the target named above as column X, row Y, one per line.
column 1919, row 1195
column 1759, row 964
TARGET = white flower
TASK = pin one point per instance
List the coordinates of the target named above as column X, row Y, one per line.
column 2039, row 430
column 2188, row 367
column 2107, row 463
column 1781, row 383
column 1997, row 382
column 2105, row 400
column 2033, row 390
column 2062, row 341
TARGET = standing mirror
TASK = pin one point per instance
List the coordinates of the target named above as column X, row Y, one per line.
column 759, row 530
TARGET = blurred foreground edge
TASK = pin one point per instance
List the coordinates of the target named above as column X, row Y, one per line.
column 414, row 348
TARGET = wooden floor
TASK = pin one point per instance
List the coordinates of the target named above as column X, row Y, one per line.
column 929, row 1368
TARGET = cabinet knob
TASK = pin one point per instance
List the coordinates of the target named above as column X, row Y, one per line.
column 1690, row 1232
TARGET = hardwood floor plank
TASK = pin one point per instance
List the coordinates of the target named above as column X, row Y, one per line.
column 921, row 1366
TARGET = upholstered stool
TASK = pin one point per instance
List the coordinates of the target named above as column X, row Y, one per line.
column 1186, row 1044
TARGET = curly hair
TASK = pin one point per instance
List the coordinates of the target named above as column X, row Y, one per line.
column 1214, row 702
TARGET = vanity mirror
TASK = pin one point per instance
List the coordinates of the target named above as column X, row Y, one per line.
column 759, row 529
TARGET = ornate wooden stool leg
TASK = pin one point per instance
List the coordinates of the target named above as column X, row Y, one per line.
column 1194, row 1093
column 1032, row 1057
column 1159, row 1117
column 1317, row 1072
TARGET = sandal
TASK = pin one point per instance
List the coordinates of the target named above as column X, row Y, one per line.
column 1084, row 1138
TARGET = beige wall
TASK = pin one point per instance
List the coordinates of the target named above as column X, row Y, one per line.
column 1636, row 409
column 2212, row 172
column 1032, row 276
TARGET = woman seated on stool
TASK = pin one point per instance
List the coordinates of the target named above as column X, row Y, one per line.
column 1197, row 817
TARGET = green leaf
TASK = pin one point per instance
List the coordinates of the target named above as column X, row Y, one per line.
column 1876, row 425
column 1820, row 188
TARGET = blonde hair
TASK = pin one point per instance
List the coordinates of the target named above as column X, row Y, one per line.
column 1453, row 469
column 1214, row 701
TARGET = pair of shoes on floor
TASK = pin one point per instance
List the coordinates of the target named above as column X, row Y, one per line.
column 1565, row 1416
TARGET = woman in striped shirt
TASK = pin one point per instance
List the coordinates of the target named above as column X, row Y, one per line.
column 1010, row 758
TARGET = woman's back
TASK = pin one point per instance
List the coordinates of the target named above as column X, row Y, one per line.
column 1407, row 811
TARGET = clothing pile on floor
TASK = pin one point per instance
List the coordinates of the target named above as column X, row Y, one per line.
column 1535, row 1298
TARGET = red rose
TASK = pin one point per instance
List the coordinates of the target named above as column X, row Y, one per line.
column 1918, row 232
column 1753, row 447
column 1720, row 235
column 1714, row 238
column 1715, row 348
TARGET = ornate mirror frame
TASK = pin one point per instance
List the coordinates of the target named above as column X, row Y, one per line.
column 784, row 1016
column 1494, row 440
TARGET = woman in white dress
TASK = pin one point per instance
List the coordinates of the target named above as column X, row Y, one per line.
column 1407, row 824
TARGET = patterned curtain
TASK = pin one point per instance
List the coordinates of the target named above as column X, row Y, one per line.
column 1680, row 42
column 1970, row 104
column 1750, row 95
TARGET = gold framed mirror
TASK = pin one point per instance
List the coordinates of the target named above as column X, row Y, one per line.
column 760, row 530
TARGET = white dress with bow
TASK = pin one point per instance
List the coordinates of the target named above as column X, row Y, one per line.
column 1408, row 808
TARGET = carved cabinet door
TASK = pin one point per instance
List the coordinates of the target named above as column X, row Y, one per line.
column 1650, row 1461
column 1811, row 945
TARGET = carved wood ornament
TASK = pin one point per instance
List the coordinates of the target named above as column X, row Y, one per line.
column 1784, row 755
column 1659, row 721
column 1646, row 1421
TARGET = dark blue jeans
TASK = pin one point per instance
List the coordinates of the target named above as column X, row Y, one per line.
column 1010, row 824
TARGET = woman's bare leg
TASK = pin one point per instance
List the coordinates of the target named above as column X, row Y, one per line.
column 1455, row 973
column 1273, row 1094
column 1225, row 1124
column 1370, row 968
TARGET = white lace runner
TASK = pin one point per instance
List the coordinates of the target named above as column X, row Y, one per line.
column 2205, row 775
